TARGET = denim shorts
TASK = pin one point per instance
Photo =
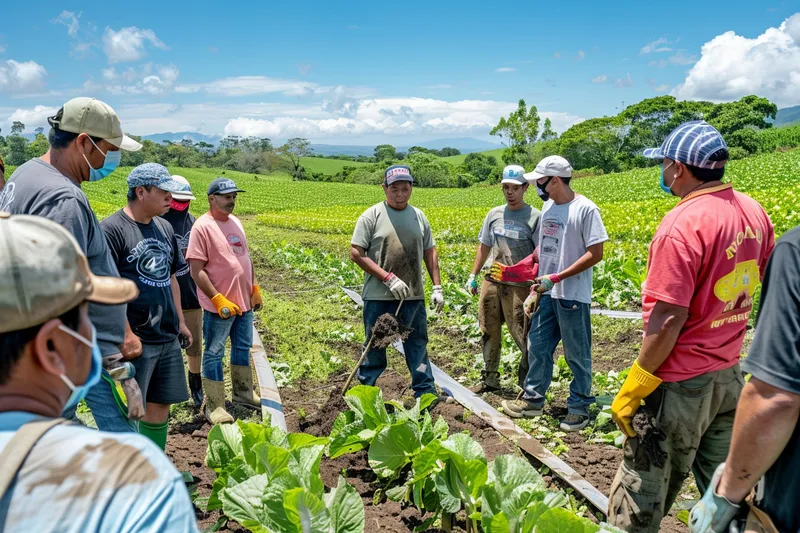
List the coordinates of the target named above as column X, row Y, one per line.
column 160, row 373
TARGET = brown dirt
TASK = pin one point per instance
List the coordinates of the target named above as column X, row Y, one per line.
column 387, row 330
column 646, row 426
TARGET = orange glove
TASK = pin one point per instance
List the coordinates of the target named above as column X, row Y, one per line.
column 255, row 298
column 225, row 307
column 524, row 271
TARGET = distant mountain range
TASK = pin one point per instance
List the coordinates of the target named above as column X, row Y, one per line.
column 464, row 144
column 787, row 115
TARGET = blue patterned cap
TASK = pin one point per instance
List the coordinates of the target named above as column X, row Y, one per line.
column 397, row 173
column 154, row 175
column 693, row 143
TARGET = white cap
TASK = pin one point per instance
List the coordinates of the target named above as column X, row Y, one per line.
column 184, row 195
column 514, row 174
column 553, row 165
column 95, row 118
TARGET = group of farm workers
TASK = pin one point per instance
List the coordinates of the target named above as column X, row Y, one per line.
column 91, row 307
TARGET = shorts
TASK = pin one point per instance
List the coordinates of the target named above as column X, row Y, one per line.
column 160, row 373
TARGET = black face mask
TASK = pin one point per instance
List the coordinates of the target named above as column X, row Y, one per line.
column 541, row 190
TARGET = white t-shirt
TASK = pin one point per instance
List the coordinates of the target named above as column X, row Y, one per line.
column 78, row 480
column 565, row 232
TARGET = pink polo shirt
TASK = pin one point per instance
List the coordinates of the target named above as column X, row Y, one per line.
column 223, row 246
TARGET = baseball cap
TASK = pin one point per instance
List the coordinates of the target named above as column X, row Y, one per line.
column 44, row 274
column 223, row 186
column 184, row 195
column 156, row 176
column 553, row 165
column 693, row 143
column 94, row 118
column 514, row 174
column 397, row 173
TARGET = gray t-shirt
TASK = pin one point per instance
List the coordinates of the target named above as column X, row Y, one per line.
column 37, row 188
column 512, row 235
column 566, row 231
column 395, row 240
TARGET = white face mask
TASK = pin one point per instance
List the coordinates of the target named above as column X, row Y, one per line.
column 79, row 392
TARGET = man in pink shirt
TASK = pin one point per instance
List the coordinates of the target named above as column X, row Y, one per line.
column 220, row 265
column 705, row 264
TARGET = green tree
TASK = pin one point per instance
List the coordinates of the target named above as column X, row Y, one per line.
column 748, row 112
column 547, row 133
column 38, row 147
column 17, row 145
column 431, row 171
column 479, row 166
column 293, row 150
column 384, row 152
column 518, row 132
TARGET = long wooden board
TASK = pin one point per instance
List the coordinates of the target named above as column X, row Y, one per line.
column 271, row 404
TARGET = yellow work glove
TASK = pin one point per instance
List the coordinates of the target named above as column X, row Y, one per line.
column 638, row 386
column 225, row 307
column 255, row 298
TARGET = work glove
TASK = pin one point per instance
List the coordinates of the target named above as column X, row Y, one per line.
column 398, row 287
column 225, row 307
column 133, row 397
column 546, row 283
column 531, row 303
column 437, row 299
column 713, row 512
column 255, row 298
column 524, row 271
column 639, row 385
column 472, row 285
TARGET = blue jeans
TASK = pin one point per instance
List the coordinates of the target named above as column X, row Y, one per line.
column 216, row 331
column 107, row 413
column 568, row 321
column 412, row 315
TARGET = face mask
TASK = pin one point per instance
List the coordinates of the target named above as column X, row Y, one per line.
column 177, row 205
column 541, row 190
column 664, row 187
column 110, row 164
column 79, row 392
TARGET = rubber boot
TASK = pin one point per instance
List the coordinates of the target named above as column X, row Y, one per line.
column 196, row 389
column 490, row 382
column 215, row 402
column 155, row 432
column 242, row 381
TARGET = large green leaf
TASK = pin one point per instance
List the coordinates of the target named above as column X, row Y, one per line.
column 506, row 474
column 557, row 520
column 252, row 434
column 345, row 508
column 497, row 524
column 464, row 448
column 342, row 420
column 281, row 482
column 298, row 440
column 449, row 499
column 305, row 466
column 270, row 458
column 306, row 511
column 532, row 515
column 428, row 460
column 224, row 443
column 466, row 470
column 244, row 501
column 235, row 473
column 347, row 439
column 367, row 402
column 393, row 448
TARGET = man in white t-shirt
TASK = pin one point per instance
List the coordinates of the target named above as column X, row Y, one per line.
column 571, row 237
column 55, row 476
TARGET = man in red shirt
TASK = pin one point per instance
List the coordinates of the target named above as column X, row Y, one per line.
column 705, row 264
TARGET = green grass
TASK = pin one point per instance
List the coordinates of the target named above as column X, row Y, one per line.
column 327, row 166
column 458, row 159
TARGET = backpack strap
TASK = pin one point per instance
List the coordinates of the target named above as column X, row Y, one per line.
column 19, row 447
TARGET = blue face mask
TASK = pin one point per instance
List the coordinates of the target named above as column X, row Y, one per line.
column 79, row 392
column 110, row 164
column 664, row 187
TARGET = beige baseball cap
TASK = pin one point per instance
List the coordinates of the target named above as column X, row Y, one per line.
column 553, row 165
column 184, row 195
column 97, row 119
column 43, row 274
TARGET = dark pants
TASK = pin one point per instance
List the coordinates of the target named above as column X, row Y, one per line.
column 413, row 316
column 568, row 321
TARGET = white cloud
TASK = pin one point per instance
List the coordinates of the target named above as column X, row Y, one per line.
column 732, row 66
column 32, row 118
column 148, row 80
column 581, row 55
column 624, row 82
column 654, row 46
column 70, row 20
column 505, row 69
column 250, row 85
column 128, row 44
column 21, row 77
column 657, row 88
column 600, row 79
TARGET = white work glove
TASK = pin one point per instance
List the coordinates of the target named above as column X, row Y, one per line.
column 472, row 285
column 398, row 287
column 437, row 299
column 531, row 303
column 713, row 513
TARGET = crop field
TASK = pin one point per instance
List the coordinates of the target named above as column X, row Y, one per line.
column 351, row 448
column 327, row 166
column 458, row 159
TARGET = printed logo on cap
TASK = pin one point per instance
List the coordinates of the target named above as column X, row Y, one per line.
column 400, row 171
column 513, row 173
column 227, row 184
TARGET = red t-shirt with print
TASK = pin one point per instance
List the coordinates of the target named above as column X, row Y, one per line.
column 708, row 254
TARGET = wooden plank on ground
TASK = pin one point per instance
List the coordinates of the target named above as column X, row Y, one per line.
column 271, row 405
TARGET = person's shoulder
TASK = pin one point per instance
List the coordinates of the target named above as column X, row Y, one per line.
column 113, row 220
column 790, row 238
column 373, row 211
column 585, row 203
column 164, row 224
column 203, row 221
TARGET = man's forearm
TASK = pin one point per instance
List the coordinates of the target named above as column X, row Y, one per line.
column 202, row 280
column 480, row 258
column 593, row 255
column 663, row 329
column 431, row 258
column 765, row 420
column 176, row 297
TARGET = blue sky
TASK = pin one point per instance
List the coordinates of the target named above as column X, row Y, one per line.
column 367, row 72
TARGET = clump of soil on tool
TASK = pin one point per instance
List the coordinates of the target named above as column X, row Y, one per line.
column 650, row 436
column 387, row 330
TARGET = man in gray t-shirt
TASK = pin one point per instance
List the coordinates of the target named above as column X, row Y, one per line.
column 509, row 234
column 390, row 242
column 85, row 140
column 571, row 237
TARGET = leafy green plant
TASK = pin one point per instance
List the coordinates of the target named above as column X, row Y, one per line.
column 269, row 481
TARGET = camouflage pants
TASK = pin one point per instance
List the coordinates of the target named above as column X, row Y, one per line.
column 498, row 304
column 696, row 416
